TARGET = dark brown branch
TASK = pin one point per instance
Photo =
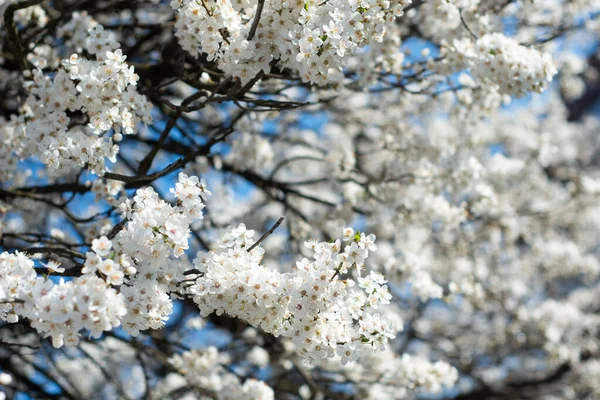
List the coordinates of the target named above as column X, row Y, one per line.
column 256, row 20
column 113, row 232
column 146, row 163
column 462, row 19
column 28, row 346
column 11, row 29
column 137, row 181
column 265, row 235
column 54, row 250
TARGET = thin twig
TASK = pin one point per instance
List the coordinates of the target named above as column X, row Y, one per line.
column 29, row 346
column 116, row 229
column 137, row 181
column 54, row 250
column 307, row 377
column 11, row 29
column 266, row 235
column 107, row 374
column 256, row 20
column 462, row 19
column 14, row 301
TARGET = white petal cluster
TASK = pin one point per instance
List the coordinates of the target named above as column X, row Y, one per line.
column 501, row 64
column 560, row 326
column 98, row 262
column 203, row 370
column 102, row 91
column 319, row 312
column 564, row 259
column 148, row 306
column 75, row 32
column 258, row 356
column 441, row 210
column 313, row 38
column 57, row 310
column 590, row 373
column 398, row 376
column 424, row 286
column 28, row 15
column 148, row 250
column 16, row 277
column 409, row 269
column 251, row 151
column 109, row 190
column 417, row 372
column 12, row 141
column 86, row 303
column 143, row 262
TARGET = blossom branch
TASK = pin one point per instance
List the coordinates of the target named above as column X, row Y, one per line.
column 265, row 235
column 11, row 29
column 255, row 22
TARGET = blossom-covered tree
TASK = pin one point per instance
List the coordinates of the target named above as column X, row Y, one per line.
column 299, row 200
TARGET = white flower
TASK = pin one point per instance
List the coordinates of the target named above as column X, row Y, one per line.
column 258, row 356
column 54, row 266
column 101, row 246
column 115, row 58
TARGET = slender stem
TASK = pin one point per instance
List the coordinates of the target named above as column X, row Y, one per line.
column 11, row 29
column 462, row 19
column 266, row 235
column 254, row 27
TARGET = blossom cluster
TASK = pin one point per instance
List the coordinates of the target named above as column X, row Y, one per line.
column 401, row 376
column 501, row 64
column 149, row 250
column 251, row 151
column 12, row 133
column 57, row 310
column 34, row 14
column 313, row 38
column 562, row 328
column 565, row 259
column 142, row 262
column 109, row 190
column 591, row 375
column 67, row 116
column 203, row 369
column 321, row 313
column 396, row 376
column 16, row 277
column 409, row 269
column 76, row 32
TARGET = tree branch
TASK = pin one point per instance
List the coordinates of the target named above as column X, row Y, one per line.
column 265, row 235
